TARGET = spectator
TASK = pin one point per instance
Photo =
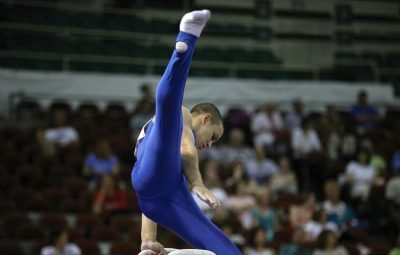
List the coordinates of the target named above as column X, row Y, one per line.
column 147, row 97
column 109, row 199
column 266, row 125
column 260, row 168
column 141, row 117
column 332, row 129
column 348, row 145
column 263, row 215
column 377, row 161
column 237, row 176
column 235, row 151
column 319, row 223
column 294, row 118
column 327, row 244
column 284, row 180
column 61, row 134
column 360, row 176
column 258, row 246
column 301, row 213
column 305, row 140
column 337, row 210
column 296, row 247
column 392, row 194
column 242, row 202
column 396, row 249
column 213, row 183
column 60, row 244
column 100, row 163
column 364, row 116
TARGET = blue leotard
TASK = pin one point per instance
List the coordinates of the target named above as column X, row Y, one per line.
column 157, row 176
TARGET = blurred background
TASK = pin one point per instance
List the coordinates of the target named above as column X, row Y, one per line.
column 309, row 91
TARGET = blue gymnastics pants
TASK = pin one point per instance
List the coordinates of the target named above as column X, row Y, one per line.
column 157, row 176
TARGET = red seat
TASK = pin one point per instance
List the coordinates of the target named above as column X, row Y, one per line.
column 38, row 205
column 8, row 182
column 126, row 226
column 10, row 248
column 73, row 206
column 29, row 232
column 104, row 233
column 21, row 197
column 87, row 221
column 76, row 185
column 89, row 247
column 55, row 197
column 50, row 221
column 12, row 220
column 124, row 248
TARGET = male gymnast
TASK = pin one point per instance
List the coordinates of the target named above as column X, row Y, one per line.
column 167, row 160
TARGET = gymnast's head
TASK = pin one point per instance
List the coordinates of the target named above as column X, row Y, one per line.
column 207, row 124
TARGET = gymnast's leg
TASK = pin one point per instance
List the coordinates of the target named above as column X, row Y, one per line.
column 158, row 169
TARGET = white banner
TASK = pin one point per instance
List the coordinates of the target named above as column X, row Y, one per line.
column 102, row 88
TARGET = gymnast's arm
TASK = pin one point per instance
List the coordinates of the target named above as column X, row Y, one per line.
column 149, row 237
column 190, row 162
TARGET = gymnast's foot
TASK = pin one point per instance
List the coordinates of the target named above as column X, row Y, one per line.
column 194, row 22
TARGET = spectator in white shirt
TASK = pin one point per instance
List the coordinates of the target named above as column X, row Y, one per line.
column 60, row 133
column 319, row 223
column 337, row 210
column 60, row 245
column 284, row 180
column 294, row 118
column 266, row 125
column 327, row 244
column 235, row 151
column 305, row 140
column 360, row 175
column 260, row 168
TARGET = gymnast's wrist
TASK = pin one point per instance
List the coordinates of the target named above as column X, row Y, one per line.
column 148, row 238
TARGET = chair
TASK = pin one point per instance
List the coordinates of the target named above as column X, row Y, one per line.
column 124, row 248
column 28, row 109
column 89, row 247
column 87, row 111
column 37, row 205
column 55, row 197
column 125, row 225
column 10, row 248
column 29, row 232
column 104, row 233
column 115, row 109
column 21, row 197
column 51, row 221
column 87, row 221
column 76, row 185
column 73, row 206
column 11, row 221
column 133, row 205
column 28, row 173
column 60, row 105
column 7, row 183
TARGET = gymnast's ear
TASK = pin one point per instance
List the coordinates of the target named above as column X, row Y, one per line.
column 206, row 117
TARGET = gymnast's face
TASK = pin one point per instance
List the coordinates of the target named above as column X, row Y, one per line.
column 208, row 133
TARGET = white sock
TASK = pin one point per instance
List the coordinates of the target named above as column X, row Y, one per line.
column 194, row 22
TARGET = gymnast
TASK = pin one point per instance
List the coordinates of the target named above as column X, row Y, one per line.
column 167, row 161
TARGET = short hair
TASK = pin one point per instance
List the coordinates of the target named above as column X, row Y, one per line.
column 216, row 117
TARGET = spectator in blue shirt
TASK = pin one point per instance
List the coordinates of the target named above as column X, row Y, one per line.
column 100, row 162
column 364, row 115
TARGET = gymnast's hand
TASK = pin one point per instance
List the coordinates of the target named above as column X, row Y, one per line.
column 155, row 247
column 205, row 195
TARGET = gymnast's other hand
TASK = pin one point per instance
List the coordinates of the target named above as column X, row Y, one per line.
column 205, row 195
column 155, row 247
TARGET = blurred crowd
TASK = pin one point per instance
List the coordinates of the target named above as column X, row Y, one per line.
column 290, row 183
